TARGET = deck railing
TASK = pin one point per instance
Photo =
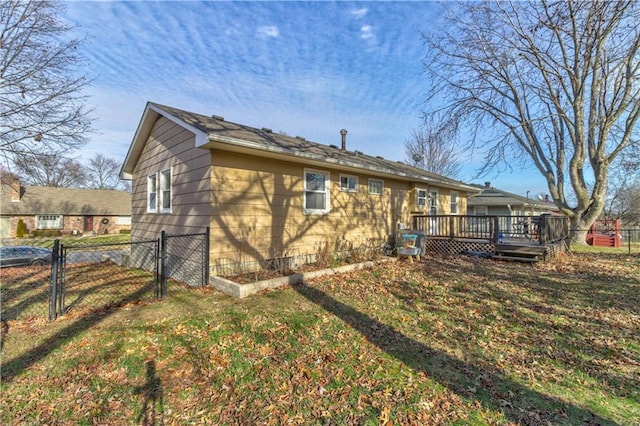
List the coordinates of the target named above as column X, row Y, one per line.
column 543, row 229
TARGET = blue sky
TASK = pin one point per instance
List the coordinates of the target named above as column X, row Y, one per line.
column 303, row 68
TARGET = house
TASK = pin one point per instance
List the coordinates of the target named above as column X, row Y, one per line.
column 62, row 210
column 495, row 202
column 266, row 195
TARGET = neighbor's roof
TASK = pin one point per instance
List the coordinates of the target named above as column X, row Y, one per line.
column 216, row 133
column 65, row 201
column 491, row 196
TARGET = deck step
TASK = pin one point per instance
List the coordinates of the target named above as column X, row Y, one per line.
column 516, row 258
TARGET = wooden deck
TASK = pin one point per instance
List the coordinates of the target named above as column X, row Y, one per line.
column 524, row 239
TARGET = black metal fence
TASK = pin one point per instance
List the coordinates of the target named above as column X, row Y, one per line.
column 99, row 276
column 24, row 292
column 92, row 277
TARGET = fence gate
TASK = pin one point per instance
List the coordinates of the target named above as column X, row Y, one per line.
column 98, row 276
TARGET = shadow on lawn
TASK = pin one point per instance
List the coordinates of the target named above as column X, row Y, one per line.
column 499, row 393
column 13, row 367
column 151, row 412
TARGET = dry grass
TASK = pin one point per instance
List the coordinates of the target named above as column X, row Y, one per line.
column 448, row 340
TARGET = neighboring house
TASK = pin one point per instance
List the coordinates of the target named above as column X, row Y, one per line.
column 68, row 210
column 267, row 195
column 495, row 202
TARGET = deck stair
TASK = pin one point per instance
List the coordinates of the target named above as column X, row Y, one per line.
column 519, row 253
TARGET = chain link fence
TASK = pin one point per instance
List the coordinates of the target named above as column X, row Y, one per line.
column 624, row 240
column 96, row 277
column 184, row 257
column 93, row 277
column 24, row 292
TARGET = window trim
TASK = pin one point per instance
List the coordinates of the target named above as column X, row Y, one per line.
column 161, row 198
column 154, row 177
column 457, row 203
column 371, row 180
column 326, row 192
column 433, row 203
column 425, row 198
column 58, row 221
column 347, row 188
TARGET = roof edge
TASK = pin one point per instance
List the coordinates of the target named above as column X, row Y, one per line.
column 150, row 115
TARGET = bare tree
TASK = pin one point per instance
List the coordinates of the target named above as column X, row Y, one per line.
column 104, row 173
column 434, row 147
column 623, row 196
column 553, row 84
column 41, row 101
column 50, row 170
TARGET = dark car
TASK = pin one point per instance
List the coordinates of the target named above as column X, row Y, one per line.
column 24, row 255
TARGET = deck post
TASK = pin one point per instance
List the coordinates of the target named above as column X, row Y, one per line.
column 496, row 229
column 543, row 229
column 452, row 234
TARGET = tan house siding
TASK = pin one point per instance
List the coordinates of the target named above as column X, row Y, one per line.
column 258, row 211
column 248, row 185
column 172, row 147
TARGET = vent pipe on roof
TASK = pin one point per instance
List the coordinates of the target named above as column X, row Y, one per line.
column 487, row 184
column 343, row 133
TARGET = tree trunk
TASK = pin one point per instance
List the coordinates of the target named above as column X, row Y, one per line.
column 578, row 232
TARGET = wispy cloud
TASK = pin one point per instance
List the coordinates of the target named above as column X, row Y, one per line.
column 307, row 68
column 366, row 32
column 267, row 31
column 359, row 13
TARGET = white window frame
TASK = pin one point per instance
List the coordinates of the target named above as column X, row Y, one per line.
column 123, row 220
column 422, row 200
column 371, row 188
column 49, row 221
column 481, row 210
column 433, row 201
column 326, row 191
column 454, row 195
column 152, row 208
column 351, row 183
column 165, row 192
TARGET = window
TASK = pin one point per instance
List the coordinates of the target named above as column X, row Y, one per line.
column 316, row 192
column 481, row 210
column 49, row 221
column 159, row 192
column 165, row 191
column 376, row 186
column 454, row 202
column 421, row 198
column 433, row 202
column 123, row 220
column 152, row 194
column 348, row 183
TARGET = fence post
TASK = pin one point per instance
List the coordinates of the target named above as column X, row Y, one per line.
column 163, row 264
column 62, row 260
column 53, row 296
column 206, row 255
column 156, row 282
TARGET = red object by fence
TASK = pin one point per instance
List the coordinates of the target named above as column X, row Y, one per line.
column 604, row 233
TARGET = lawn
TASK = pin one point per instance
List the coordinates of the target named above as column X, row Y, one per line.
column 447, row 340
column 70, row 240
